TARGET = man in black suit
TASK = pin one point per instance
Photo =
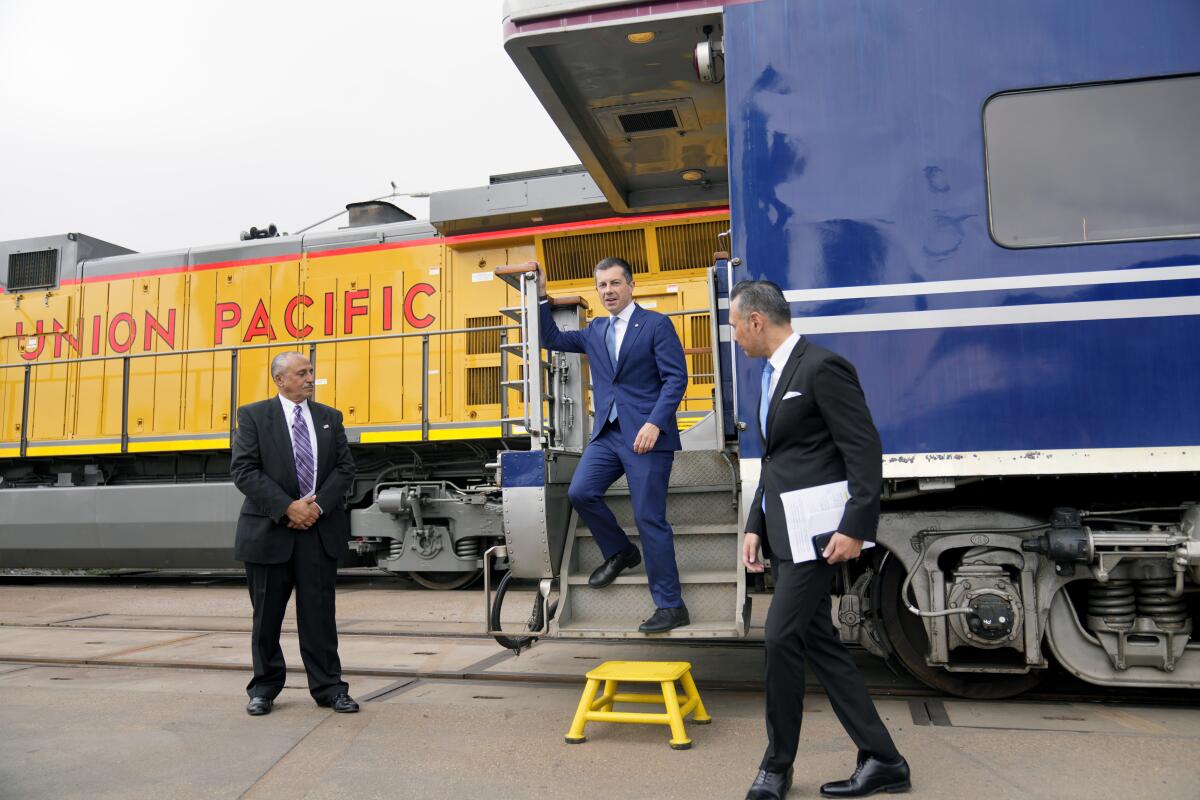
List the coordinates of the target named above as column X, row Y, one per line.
column 292, row 462
column 816, row 430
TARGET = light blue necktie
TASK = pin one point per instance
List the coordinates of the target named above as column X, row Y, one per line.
column 610, row 339
column 764, row 398
column 764, row 404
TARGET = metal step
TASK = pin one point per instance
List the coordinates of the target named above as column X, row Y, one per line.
column 702, row 510
column 620, row 608
column 513, row 312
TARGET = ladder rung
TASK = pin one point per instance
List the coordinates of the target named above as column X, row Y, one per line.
column 515, row 312
column 513, row 347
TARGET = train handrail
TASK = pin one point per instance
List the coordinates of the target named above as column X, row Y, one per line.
column 126, row 360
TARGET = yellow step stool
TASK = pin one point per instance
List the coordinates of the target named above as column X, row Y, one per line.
column 593, row 708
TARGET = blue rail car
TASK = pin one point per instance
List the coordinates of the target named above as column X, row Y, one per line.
column 993, row 210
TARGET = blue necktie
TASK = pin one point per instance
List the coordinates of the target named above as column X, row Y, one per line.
column 610, row 339
column 764, row 405
column 764, row 398
column 305, row 475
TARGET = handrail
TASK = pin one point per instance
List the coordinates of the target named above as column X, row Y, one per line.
column 260, row 346
column 235, row 351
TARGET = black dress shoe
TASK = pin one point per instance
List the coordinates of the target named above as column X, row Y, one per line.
column 665, row 619
column 607, row 572
column 341, row 703
column 258, row 706
column 871, row 776
column 770, row 785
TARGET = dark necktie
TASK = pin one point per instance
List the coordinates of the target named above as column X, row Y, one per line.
column 304, row 454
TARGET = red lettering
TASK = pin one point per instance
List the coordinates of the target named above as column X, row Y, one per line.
column 260, row 324
column 425, row 320
column 115, row 344
column 228, row 316
column 167, row 334
column 96, row 335
column 329, row 313
column 61, row 333
column 387, row 308
column 26, row 353
column 351, row 310
column 289, row 316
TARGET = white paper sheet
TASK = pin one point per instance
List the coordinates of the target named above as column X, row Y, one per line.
column 813, row 511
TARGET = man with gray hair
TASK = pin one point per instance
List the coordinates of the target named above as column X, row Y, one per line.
column 816, row 431
column 292, row 462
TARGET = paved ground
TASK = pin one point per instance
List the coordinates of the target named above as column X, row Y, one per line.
column 451, row 717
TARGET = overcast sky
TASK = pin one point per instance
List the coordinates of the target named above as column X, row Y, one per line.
column 158, row 125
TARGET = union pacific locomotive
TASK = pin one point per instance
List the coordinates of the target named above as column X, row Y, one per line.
column 121, row 370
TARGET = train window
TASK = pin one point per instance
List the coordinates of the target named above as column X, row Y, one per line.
column 1099, row 163
column 37, row 269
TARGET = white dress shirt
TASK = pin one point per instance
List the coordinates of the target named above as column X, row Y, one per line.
column 288, row 413
column 779, row 360
column 622, row 322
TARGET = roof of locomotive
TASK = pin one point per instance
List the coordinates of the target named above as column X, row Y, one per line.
column 561, row 194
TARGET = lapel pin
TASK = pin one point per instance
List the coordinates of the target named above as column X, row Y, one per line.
column 324, row 426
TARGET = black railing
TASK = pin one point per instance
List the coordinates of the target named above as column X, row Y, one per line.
column 128, row 358
column 234, row 352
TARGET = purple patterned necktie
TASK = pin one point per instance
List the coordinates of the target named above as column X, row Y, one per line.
column 304, row 454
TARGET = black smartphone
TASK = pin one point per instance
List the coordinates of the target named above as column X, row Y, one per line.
column 820, row 542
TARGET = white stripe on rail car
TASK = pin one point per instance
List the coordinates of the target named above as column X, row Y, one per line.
column 1000, row 315
column 1141, row 275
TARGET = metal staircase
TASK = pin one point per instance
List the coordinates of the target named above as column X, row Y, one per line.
column 546, row 540
column 702, row 510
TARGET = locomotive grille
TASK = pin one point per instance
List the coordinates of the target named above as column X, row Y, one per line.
column 641, row 121
column 575, row 257
column 701, row 336
column 34, row 270
column 483, row 386
column 688, row 246
column 483, row 342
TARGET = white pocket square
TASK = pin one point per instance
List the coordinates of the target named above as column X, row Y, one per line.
column 790, row 395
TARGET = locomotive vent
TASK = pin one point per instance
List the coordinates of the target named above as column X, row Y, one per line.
column 632, row 120
column 700, row 335
column 688, row 246
column 33, row 270
column 575, row 257
column 483, row 382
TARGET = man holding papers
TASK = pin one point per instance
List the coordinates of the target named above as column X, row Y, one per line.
column 819, row 488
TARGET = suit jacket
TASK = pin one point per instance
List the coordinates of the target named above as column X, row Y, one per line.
column 822, row 433
column 650, row 378
column 264, row 470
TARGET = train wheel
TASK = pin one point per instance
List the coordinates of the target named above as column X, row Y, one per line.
column 909, row 644
column 446, row 581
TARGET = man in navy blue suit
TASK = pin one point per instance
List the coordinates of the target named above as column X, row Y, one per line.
column 638, row 379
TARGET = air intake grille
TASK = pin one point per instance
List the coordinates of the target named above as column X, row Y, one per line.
column 36, row 270
column 483, row 342
column 575, row 257
column 642, row 121
column 701, row 336
column 483, row 386
column 689, row 246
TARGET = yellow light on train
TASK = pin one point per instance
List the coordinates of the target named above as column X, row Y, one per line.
column 692, row 174
column 642, row 37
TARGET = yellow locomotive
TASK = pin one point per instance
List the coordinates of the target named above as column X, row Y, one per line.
column 121, row 371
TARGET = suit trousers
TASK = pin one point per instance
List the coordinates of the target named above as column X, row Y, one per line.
column 313, row 574
column 800, row 630
column 604, row 460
